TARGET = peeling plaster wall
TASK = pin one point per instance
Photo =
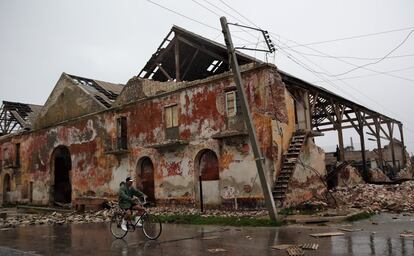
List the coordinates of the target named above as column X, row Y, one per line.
column 306, row 182
column 201, row 104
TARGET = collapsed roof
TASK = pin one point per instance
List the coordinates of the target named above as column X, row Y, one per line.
column 105, row 92
column 15, row 116
column 186, row 56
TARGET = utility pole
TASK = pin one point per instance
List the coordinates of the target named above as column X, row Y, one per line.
column 247, row 116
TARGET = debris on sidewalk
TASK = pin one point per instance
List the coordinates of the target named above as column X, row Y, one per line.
column 407, row 234
column 295, row 251
column 327, row 234
column 210, row 237
column 216, row 250
column 350, row 229
column 281, row 246
column 310, row 246
column 387, row 197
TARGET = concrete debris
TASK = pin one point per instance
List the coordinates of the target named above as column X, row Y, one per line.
column 216, row 250
column 350, row 229
column 395, row 198
column 209, row 212
column 281, row 246
column 327, row 234
column 210, row 237
column 311, row 246
column 17, row 220
column 407, row 234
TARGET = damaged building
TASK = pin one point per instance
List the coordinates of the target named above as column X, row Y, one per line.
column 177, row 128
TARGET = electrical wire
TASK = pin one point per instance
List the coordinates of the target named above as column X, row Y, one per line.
column 411, row 28
column 352, row 57
column 204, row 24
column 351, row 37
column 369, row 75
column 377, row 61
column 189, row 18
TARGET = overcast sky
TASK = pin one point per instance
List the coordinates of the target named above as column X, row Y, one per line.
column 112, row 40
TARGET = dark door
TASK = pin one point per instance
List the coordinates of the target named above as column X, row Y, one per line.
column 147, row 178
column 62, row 182
column 209, row 172
column 6, row 188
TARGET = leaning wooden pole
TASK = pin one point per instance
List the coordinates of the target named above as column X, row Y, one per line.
column 270, row 203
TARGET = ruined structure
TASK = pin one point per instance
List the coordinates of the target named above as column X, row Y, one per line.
column 176, row 128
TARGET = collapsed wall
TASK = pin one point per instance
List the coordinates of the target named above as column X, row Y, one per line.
column 308, row 180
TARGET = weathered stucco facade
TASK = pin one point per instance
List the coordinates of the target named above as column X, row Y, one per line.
column 77, row 136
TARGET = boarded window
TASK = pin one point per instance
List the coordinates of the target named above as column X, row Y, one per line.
column 231, row 106
column 122, row 133
column 171, row 116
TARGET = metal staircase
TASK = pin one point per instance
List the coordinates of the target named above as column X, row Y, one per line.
column 288, row 167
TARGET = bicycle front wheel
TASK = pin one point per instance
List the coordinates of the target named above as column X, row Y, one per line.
column 115, row 226
column 151, row 226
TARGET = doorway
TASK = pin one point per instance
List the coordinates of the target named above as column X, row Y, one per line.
column 6, row 188
column 62, row 164
column 209, row 176
column 146, row 177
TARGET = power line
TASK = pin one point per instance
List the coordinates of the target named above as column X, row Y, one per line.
column 324, row 53
column 351, row 37
column 381, row 59
column 350, row 63
column 370, row 75
column 217, row 14
column 204, row 24
column 353, row 57
column 182, row 15
column 228, row 6
column 192, row 19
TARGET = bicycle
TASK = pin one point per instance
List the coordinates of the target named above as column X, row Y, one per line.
column 151, row 224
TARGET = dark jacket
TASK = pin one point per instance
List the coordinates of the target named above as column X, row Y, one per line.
column 125, row 196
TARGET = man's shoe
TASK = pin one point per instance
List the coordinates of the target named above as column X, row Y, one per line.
column 124, row 225
column 139, row 223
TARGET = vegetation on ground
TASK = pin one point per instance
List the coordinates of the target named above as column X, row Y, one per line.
column 197, row 219
column 360, row 216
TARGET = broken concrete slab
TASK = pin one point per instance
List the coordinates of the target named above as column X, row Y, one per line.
column 216, row 250
column 210, row 237
column 350, row 229
column 281, row 246
column 327, row 234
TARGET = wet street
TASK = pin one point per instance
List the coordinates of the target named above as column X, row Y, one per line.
column 379, row 236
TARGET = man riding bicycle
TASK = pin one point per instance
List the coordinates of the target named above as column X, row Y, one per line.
column 128, row 203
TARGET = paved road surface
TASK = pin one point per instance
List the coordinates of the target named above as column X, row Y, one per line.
column 182, row 240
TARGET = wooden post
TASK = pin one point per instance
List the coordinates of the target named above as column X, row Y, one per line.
column 379, row 147
column 361, row 120
column 341, row 143
column 177, row 61
column 391, row 137
column 339, row 113
column 404, row 157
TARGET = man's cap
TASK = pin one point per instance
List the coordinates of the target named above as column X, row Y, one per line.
column 129, row 179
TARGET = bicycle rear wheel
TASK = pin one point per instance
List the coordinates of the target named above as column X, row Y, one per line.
column 151, row 226
column 115, row 226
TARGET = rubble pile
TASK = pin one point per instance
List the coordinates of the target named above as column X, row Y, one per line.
column 209, row 212
column 16, row 220
column 60, row 218
column 390, row 197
